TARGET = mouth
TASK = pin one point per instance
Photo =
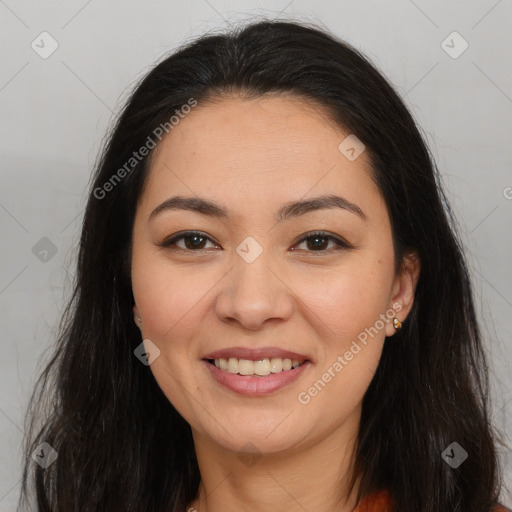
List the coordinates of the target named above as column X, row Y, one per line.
column 259, row 368
column 256, row 372
column 241, row 377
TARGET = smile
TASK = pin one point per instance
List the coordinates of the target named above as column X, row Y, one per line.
column 251, row 383
column 261, row 368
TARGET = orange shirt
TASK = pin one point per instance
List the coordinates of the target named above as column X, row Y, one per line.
column 380, row 501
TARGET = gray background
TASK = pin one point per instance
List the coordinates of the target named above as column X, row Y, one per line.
column 55, row 112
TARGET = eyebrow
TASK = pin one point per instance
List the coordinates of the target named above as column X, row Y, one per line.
column 287, row 211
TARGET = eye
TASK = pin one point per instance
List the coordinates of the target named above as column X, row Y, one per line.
column 192, row 241
column 196, row 241
column 319, row 241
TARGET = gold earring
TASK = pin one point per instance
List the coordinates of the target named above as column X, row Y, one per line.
column 397, row 324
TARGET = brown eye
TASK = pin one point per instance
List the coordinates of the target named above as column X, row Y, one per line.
column 195, row 241
column 319, row 242
column 188, row 241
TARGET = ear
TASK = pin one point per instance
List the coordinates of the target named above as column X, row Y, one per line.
column 136, row 317
column 404, row 286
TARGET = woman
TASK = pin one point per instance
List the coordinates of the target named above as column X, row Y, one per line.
column 271, row 307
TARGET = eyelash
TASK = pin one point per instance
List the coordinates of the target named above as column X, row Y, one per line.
column 341, row 244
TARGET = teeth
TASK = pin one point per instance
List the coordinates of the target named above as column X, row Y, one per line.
column 276, row 365
column 245, row 367
column 262, row 367
column 232, row 365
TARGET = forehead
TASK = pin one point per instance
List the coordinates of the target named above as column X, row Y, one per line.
column 245, row 150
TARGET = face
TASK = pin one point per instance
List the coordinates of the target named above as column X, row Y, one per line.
column 252, row 281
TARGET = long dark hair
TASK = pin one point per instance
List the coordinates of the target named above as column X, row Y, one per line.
column 122, row 445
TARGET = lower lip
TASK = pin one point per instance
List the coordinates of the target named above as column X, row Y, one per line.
column 256, row 386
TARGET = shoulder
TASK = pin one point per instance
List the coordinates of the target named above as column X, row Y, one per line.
column 501, row 508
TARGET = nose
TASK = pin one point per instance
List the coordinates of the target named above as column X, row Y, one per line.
column 254, row 294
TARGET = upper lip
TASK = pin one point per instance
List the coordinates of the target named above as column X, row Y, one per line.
column 255, row 354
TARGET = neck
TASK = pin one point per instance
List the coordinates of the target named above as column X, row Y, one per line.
column 311, row 477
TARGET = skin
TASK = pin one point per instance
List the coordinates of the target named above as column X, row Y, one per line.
column 252, row 156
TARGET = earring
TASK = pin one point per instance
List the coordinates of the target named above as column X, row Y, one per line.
column 137, row 319
column 397, row 324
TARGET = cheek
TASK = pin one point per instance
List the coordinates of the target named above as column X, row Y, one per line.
column 169, row 298
column 348, row 308
column 349, row 299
